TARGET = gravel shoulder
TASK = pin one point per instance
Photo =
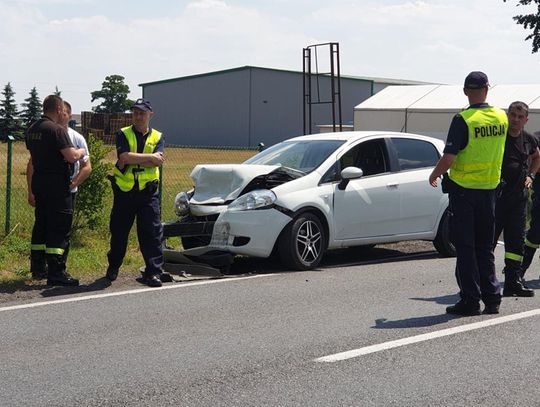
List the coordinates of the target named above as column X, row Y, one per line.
column 38, row 290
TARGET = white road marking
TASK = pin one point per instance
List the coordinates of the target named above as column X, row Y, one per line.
column 127, row 292
column 425, row 337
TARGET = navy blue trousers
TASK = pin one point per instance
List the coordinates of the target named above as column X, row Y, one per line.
column 473, row 231
column 510, row 212
column 53, row 214
column 143, row 206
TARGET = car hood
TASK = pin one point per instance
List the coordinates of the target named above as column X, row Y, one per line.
column 219, row 183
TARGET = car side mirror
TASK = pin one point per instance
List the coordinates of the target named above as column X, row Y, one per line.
column 347, row 174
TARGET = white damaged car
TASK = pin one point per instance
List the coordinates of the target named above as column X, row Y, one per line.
column 314, row 193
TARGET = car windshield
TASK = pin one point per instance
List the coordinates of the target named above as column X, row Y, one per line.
column 305, row 155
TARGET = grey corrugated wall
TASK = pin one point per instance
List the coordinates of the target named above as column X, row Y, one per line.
column 242, row 107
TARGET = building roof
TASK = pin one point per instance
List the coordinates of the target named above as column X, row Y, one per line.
column 447, row 97
column 242, row 68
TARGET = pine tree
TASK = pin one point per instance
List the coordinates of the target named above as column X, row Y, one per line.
column 9, row 122
column 32, row 108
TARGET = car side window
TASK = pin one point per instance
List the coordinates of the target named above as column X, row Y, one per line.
column 413, row 154
column 370, row 156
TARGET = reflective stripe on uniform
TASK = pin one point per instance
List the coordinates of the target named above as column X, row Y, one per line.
column 54, row 250
column 513, row 256
column 37, row 247
column 531, row 244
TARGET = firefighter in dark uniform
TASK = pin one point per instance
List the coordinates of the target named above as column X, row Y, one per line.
column 51, row 153
column 135, row 188
column 532, row 240
column 473, row 154
column 521, row 160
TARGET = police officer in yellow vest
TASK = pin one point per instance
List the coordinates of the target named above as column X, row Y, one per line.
column 474, row 154
column 135, row 187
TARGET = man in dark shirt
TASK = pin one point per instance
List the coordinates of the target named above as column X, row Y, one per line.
column 51, row 153
column 135, row 186
column 521, row 160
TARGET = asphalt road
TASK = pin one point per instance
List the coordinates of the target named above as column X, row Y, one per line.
column 257, row 340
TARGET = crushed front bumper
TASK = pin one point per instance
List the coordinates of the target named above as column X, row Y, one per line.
column 188, row 229
column 249, row 233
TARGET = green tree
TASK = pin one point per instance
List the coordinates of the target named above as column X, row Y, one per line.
column 93, row 191
column 530, row 22
column 114, row 93
column 32, row 108
column 9, row 122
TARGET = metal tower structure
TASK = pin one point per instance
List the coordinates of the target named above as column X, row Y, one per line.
column 311, row 80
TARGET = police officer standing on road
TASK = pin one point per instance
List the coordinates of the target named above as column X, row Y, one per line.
column 135, row 187
column 51, row 153
column 473, row 154
column 521, row 160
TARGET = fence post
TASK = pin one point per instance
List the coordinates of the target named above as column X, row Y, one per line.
column 10, row 140
column 160, row 186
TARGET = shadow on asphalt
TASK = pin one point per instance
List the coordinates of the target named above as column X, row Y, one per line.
column 47, row 291
column 355, row 256
column 99, row 284
column 18, row 287
column 534, row 284
column 415, row 322
column 443, row 299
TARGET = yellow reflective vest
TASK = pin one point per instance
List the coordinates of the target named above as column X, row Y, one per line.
column 125, row 180
column 478, row 165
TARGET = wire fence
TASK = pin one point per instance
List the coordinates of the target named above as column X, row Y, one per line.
column 17, row 216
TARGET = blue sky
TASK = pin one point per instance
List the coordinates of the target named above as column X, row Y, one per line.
column 74, row 44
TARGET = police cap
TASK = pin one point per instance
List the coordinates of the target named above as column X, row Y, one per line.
column 476, row 80
column 142, row 104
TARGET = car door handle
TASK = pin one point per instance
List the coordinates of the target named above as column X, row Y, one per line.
column 392, row 185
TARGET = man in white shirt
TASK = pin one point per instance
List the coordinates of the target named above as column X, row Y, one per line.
column 83, row 167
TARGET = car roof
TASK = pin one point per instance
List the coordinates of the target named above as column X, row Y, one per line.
column 358, row 135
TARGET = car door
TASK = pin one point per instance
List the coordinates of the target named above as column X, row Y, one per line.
column 420, row 203
column 367, row 206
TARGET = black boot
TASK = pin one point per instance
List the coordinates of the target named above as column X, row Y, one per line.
column 464, row 308
column 38, row 265
column 528, row 255
column 513, row 285
column 57, row 272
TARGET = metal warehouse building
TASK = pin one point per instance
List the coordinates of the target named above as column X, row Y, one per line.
column 245, row 106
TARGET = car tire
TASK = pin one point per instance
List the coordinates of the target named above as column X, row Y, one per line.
column 443, row 242
column 303, row 242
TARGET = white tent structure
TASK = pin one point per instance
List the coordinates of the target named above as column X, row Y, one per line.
column 428, row 109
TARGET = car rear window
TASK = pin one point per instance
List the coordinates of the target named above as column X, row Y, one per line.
column 413, row 154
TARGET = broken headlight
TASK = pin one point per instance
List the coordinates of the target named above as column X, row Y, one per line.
column 257, row 199
column 181, row 204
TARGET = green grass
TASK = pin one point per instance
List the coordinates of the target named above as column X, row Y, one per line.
column 88, row 254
